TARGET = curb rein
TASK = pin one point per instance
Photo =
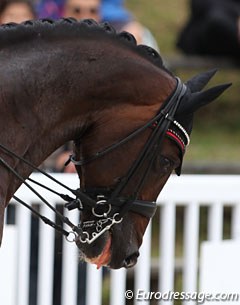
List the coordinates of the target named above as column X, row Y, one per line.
column 109, row 207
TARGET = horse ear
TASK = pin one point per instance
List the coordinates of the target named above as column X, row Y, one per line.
column 198, row 82
column 199, row 99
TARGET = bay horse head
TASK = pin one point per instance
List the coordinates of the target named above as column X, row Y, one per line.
column 125, row 176
column 129, row 117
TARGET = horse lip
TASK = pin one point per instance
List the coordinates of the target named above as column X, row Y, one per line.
column 104, row 257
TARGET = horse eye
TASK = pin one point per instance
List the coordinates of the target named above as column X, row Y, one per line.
column 164, row 164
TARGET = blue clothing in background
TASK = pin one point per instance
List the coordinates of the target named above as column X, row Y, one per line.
column 113, row 10
column 49, row 9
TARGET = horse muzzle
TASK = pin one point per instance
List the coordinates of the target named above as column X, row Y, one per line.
column 110, row 249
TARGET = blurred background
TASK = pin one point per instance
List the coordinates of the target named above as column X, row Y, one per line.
column 215, row 146
column 215, row 141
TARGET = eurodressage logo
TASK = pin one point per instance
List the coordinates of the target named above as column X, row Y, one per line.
column 199, row 297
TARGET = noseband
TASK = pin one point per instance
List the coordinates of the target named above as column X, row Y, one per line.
column 108, row 206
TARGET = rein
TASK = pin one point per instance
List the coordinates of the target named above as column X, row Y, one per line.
column 108, row 206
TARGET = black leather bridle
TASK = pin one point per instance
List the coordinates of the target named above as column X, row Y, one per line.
column 109, row 205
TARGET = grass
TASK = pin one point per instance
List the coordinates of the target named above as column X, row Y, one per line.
column 214, row 145
column 216, row 131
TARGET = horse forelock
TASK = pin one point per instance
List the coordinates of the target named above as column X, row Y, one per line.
column 13, row 33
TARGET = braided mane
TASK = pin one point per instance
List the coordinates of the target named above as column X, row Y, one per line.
column 13, row 33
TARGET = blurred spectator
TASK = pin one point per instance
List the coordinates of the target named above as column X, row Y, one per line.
column 82, row 9
column 79, row 9
column 114, row 12
column 213, row 28
column 61, row 160
column 16, row 11
column 56, row 161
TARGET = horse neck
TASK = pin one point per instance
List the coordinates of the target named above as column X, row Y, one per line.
column 50, row 103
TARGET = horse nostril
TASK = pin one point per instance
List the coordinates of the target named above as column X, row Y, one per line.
column 131, row 260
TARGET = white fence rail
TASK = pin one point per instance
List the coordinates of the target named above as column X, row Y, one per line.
column 33, row 275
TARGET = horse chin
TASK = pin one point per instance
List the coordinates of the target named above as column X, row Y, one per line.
column 107, row 252
column 99, row 252
column 104, row 257
column 117, row 247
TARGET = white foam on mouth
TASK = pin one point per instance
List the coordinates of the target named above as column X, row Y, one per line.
column 104, row 257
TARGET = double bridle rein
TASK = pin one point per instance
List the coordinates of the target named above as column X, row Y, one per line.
column 108, row 205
